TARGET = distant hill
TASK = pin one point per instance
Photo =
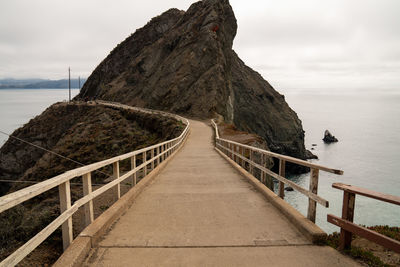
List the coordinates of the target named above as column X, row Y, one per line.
column 39, row 83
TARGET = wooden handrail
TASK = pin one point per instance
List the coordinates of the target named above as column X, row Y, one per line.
column 283, row 157
column 347, row 227
column 15, row 198
column 367, row 193
column 295, row 186
column 236, row 151
column 163, row 151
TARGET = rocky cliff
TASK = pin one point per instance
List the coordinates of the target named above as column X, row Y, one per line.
column 183, row 62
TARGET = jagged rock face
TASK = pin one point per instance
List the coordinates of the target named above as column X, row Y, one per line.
column 260, row 109
column 183, row 62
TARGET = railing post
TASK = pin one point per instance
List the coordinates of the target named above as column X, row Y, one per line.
column 244, row 156
column 251, row 162
column 240, row 153
column 144, row 159
column 116, row 176
column 347, row 214
column 65, row 204
column 133, row 166
column 87, row 189
column 312, row 205
column 282, row 165
column 236, row 152
column 158, row 154
column 152, row 158
column 163, row 155
column 263, row 174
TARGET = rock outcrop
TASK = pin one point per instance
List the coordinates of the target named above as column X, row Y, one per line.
column 329, row 138
column 183, row 62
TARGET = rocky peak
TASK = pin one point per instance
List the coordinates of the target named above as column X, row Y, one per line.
column 183, row 62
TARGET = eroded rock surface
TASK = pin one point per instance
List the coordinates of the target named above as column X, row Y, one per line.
column 329, row 138
column 183, row 62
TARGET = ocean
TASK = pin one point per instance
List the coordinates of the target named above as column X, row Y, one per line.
column 368, row 129
column 18, row 106
column 367, row 126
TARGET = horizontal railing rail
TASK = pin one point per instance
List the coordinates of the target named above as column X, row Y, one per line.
column 242, row 154
column 150, row 158
column 347, row 227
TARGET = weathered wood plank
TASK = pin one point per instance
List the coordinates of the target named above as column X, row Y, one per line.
column 87, row 190
column 144, row 160
column 158, row 155
column 365, row 233
column 133, row 166
column 295, row 186
column 282, row 167
column 349, row 200
column 115, row 177
column 65, row 204
column 152, row 159
column 312, row 205
column 251, row 159
column 368, row 193
column 287, row 158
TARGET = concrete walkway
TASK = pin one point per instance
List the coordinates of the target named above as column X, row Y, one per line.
column 201, row 212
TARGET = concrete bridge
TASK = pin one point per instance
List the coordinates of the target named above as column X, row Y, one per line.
column 196, row 206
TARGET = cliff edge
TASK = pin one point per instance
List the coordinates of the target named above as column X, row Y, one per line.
column 183, row 62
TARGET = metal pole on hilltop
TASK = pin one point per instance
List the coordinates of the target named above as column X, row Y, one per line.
column 79, row 81
column 69, row 83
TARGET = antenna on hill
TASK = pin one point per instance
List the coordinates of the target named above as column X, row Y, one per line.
column 69, row 83
column 79, row 81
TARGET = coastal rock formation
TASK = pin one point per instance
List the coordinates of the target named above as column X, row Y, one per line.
column 183, row 62
column 329, row 138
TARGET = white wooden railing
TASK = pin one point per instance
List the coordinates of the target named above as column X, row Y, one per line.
column 150, row 157
column 256, row 159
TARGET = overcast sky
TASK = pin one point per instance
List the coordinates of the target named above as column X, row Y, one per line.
column 329, row 45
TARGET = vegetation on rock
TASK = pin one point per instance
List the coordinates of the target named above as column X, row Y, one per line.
column 83, row 132
column 368, row 252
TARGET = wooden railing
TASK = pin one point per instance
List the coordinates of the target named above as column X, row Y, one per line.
column 149, row 157
column 347, row 227
column 256, row 159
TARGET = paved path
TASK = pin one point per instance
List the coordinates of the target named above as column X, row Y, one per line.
column 200, row 212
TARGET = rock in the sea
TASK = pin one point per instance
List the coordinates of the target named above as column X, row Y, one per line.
column 329, row 138
column 183, row 62
column 310, row 155
column 289, row 188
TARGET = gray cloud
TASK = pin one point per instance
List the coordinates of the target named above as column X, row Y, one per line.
column 325, row 45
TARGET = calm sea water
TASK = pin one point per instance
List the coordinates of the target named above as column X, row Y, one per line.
column 367, row 126
column 368, row 151
column 18, row 106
